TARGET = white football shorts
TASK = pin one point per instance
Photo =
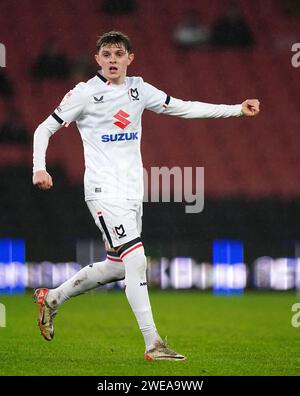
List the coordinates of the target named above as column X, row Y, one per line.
column 120, row 221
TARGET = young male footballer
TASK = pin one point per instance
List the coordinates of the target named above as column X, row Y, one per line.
column 108, row 109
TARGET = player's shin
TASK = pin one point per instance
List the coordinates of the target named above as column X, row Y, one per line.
column 137, row 292
column 88, row 278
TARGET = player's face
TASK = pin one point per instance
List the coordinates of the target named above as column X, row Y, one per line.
column 114, row 60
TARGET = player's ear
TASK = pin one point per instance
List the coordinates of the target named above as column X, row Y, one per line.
column 130, row 58
column 97, row 58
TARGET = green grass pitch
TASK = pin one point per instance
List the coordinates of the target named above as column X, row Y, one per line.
column 96, row 334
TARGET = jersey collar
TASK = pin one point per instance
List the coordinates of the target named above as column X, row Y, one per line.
column 103, row 78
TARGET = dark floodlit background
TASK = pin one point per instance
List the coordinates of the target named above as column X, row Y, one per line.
column 211, row 51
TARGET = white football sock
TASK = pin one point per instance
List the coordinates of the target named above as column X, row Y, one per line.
column 136, row 291
column 89, row 277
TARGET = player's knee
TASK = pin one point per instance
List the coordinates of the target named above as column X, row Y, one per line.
column 133, row 247
column 137, row 266
column 133, row 255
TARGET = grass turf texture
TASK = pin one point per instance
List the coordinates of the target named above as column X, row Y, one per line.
column 96, row 334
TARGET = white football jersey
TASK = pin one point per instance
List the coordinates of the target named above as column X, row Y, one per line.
column 108, row 118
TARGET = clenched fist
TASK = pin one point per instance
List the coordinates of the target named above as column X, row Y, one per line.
column 250, row 107
column 42, row 180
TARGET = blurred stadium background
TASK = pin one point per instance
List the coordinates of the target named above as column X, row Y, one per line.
column 252, row 167
column 246, row 238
